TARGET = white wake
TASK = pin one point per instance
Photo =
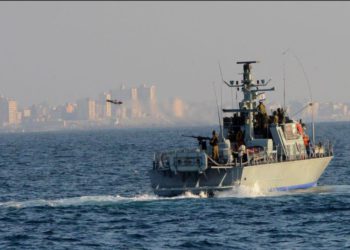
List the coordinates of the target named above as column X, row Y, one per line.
column 256, row 191
column 238, row 192
column 93, row 200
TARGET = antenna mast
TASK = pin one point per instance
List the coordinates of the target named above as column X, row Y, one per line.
column 217, row 105
column 310, row 93
column 284, row 85
column 250, row 89
column 222, row 79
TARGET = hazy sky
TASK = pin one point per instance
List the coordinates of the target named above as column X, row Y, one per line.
column 62, row 51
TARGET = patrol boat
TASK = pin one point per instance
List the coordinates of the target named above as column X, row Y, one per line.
column 255, row 151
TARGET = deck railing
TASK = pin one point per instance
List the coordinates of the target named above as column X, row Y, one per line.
column 251, row 157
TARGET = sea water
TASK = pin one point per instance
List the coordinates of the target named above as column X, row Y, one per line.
column 91, row 190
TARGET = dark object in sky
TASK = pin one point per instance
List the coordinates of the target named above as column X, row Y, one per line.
column 247, row 62
column 114, row 101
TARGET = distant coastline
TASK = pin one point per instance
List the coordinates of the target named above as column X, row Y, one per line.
column 141, row 108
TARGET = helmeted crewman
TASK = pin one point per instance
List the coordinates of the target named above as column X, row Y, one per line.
column 261, row 108
column 281, row 116
column 275, row 117
column 214, row 142
column 262, row 115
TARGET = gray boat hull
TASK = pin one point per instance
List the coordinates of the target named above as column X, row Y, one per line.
column 280, row 176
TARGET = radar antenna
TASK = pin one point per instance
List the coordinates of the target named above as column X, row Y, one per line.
column 251, row 90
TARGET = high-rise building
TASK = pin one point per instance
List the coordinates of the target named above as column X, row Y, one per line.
column 178, row 108
column 2, row 110
column 104, row 108
column 19, row 117
column 135, row 104
column 12, row 111
column 148, row 99
column 86, row 109
column 27, row 113
column 69, row 112
column 133, row 94
column 92, row 109
column 69, row 108
column 40, row 112
column 108, row 106
column 147, row 93
column 122, row 94
column 8, row 111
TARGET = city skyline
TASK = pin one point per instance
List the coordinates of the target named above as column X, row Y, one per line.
column 59, row 51
column 141, row 108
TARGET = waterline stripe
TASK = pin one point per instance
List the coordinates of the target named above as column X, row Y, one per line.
column 301, row 186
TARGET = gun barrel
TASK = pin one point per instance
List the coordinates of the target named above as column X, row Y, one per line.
column 189, row 136
column 197, row 137
column 206, row 138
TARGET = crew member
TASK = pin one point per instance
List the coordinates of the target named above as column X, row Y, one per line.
column 214, row 141
column 275, row 118
column 262, row 116
column 239, row 138
column 302, row 124
column 281, row 116
column 261, row 108
column 300, row 129
column 307, row 144
column 242, row 153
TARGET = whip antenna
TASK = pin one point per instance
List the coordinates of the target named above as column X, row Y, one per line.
column 310, row 93
column 284, row 82
column 218, row 109
column 222, row 79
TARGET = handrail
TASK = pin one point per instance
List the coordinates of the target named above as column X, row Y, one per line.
column 253, row 158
